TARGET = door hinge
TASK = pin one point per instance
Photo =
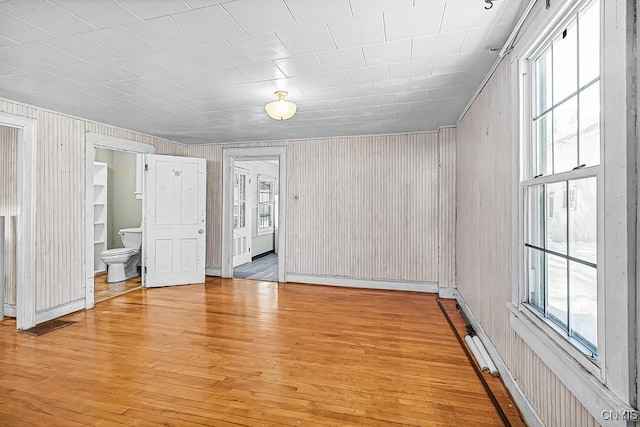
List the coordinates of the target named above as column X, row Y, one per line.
column 146, row 167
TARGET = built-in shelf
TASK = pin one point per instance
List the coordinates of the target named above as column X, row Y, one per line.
column 100, row 176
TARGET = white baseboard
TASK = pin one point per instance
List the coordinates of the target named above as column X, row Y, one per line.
column 364, row 283
column 213, row 271
column 448, row 293
column 526, row 408
column 10, row 310
column 61, row 310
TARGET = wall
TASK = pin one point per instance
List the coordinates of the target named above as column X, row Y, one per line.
column 447, row 208
column 358, row 207
column 123, row 209
column 486, row 212
column 9, row 207
column 484, row 238
column 264, row 242
column 60, row 204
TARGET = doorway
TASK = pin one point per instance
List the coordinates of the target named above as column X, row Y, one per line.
column 117, row 207
column 114, row 169
column 17, row 230
column 253, row 213
column 255, row 230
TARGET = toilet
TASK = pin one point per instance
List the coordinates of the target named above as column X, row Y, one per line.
column 122, row 263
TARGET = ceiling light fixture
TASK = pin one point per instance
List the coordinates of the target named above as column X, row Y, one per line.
column 281, row 109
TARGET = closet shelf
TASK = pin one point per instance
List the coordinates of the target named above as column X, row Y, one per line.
column 100, row 176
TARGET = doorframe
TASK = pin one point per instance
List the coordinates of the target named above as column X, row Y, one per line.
column 26, row 230
column 229, row 157
column 93, row 141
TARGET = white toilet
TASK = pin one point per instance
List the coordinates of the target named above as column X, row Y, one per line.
column 122, row 263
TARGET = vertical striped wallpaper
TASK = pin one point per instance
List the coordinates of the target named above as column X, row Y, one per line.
column 366, row 207
column 18, row 109
column 483, row 245
column 447, row 207
column 9, row 206
column 8, row 171
column 162, row 145
column 60, row 204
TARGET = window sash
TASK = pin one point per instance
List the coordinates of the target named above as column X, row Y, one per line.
column 532, row 175
column 266, row 204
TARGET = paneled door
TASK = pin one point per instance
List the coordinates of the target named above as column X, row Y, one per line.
column 241, row 219
column 174, row 220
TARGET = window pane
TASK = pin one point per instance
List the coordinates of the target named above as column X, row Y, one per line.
column 535, row 277
column 589, row 43
column 243, row 207
column 565, row 64
column 265, row 216
column 556, row 225
column 265, row 192
column 590, row 125
column 543, row 82
column 584, row 302
column 242, row 195
column 565, row 141
column 582, row 219
column 236, row 212
column 535, row 216
column 557, row 288
column 544, row 153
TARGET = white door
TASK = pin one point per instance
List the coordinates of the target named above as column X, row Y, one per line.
column 241, row 219
column 174, row 220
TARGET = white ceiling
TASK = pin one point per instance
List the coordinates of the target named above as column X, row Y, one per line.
column 200, row 71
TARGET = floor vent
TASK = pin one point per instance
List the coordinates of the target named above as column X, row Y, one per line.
column 45, row 327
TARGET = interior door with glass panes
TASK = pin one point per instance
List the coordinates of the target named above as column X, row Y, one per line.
column 241, row 218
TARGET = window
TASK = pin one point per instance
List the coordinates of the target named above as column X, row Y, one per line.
column 266, row 205
column 559, row 185
column 239, row 200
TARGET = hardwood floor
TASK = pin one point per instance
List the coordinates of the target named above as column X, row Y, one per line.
column 496, row 385
column 104, row 291
column 263, row 268
column 244, row 353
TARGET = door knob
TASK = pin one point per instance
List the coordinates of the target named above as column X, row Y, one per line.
column 201, row 231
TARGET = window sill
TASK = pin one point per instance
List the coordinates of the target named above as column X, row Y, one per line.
column 265, row 231
column 573, row 348
column 586, row 386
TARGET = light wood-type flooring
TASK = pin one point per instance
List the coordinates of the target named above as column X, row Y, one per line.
column 104, row 291
column 244, row 353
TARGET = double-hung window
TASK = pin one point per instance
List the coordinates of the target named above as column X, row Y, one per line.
column 266, row 204
column 560, row 182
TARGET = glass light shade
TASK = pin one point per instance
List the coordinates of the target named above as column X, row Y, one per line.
column 281, row 109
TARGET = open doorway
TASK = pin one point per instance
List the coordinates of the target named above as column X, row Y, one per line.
column 114, row 216
column 9, row 210
column 255, row 212
column 116, row 224
column 17, row 220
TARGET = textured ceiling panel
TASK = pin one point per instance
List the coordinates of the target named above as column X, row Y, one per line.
column 200, row 71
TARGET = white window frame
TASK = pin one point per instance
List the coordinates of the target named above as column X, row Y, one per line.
column 265, row 230
column 600, row 386
column 527, row 180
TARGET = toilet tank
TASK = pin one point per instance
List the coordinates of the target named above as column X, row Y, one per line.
column 131, row 237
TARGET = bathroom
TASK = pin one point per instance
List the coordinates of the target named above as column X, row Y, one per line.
column 117, row 217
